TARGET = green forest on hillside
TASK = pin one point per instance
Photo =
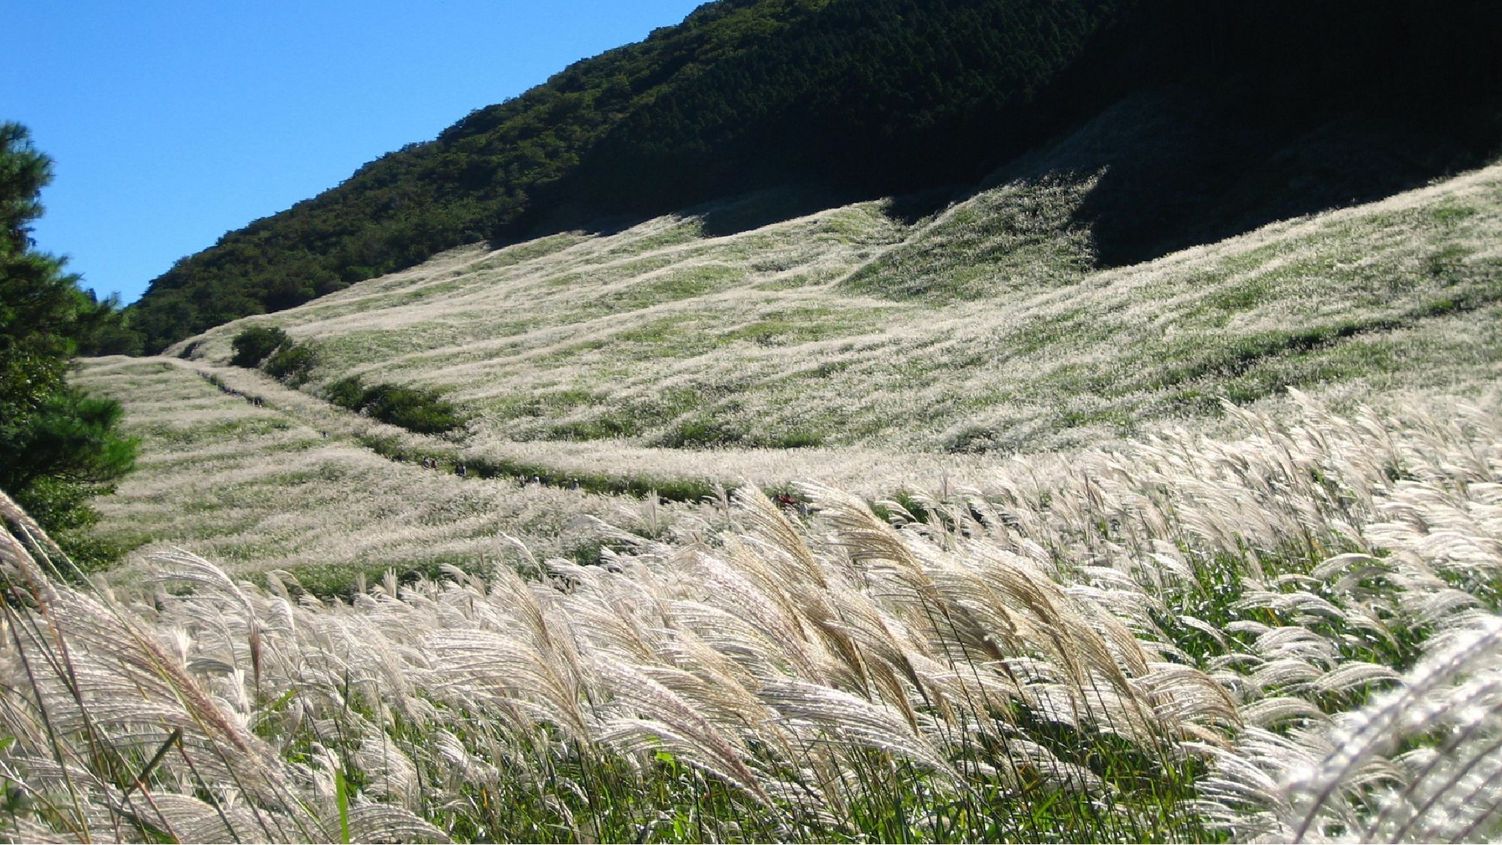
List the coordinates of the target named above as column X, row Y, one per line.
column 849, row 98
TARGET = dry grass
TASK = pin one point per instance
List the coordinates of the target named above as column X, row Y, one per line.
column 1275, row 621
column 807, row 333
column 607, row 362
column 288, row 485
column 1284, row 633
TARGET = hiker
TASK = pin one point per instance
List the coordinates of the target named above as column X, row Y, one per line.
column 461, row 471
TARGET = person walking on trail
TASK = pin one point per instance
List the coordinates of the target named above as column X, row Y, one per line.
column 462, row 471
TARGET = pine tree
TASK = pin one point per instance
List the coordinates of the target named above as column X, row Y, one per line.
column 57, row 445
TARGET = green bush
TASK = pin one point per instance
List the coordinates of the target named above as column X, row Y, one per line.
column 415, row 409
column 255, row 344
column 418, row 409
column 346, row 392
column 67, row 451
column 292, row 363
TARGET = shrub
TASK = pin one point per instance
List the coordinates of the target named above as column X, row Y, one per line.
column 346, row 392
column 418, row 409
column 255, row 344
column 292, row 363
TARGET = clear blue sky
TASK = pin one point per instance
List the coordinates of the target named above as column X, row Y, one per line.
column 171, row 123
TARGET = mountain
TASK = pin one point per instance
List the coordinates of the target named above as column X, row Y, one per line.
column 1194, row 121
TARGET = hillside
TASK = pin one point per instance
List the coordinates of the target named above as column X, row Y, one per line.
column 825, row 421
column 829, row 329
column 286, row 484
column 593, row 368
column 1206, row 122
column 1287, row 633
column 1050, row 508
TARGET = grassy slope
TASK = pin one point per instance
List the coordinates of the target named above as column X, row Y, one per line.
column 1252, row 636
column 597, row 359
column 288, row 485
column 1145, row 644
column 831, row 329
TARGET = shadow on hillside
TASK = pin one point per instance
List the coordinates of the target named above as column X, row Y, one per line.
column 1208, row 183
column 778, row 205
column 911, row 209
column 764, row 208
column 718, row 218
column 1178, row 167
column 754, row 210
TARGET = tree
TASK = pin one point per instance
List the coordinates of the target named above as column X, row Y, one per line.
column 58, row 446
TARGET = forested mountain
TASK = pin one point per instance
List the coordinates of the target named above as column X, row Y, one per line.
column 1203, row 118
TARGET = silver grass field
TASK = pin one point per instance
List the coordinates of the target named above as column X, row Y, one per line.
column 1289, row 633
column 836, row 530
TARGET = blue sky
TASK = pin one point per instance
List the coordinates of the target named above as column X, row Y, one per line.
column 171, row 123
